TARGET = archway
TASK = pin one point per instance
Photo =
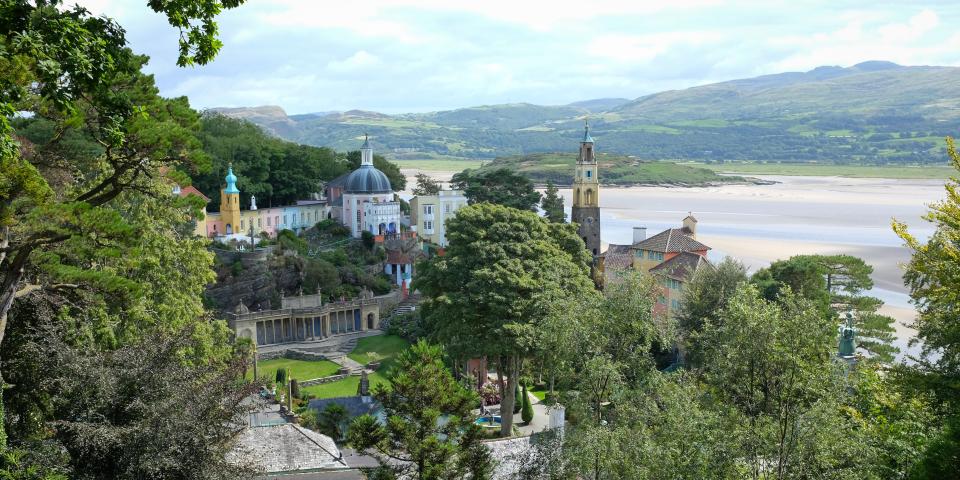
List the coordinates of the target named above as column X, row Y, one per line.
column 392, row 228
column 370, row 320
column 229, row 229
column 576, row 196
column 589, row 198
column 382, row 228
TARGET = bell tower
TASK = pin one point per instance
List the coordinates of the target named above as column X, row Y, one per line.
column 586, row 194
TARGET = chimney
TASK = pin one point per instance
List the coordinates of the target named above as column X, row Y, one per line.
column 639, row 234
column 690, row 226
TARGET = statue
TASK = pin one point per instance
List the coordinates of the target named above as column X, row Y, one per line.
column 848, row 344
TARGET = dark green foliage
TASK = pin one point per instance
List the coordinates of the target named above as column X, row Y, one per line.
column 500, row 186
column 281, row 377
column 294, row 388
column 277, row 172
column 527, row 411
column 320, row 276
column 517, row 400
column 552, row 204
column 422, row 390
column 942, row 457
column 332, row 421
column 368, row 239
column 426, row 185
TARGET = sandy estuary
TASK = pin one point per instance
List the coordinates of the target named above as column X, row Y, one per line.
column 758, row 224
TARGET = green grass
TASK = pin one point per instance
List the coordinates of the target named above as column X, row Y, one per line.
column 343, row 388
column 386, row 347
column 853, row 171
column 439, row 165
column 298, row 369
column 539, row 392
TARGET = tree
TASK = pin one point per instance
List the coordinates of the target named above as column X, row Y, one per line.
column 331, row 421
column 704, row 297
column 552, row 204
column 500, row 186
column 934, row 280
column 517, row 399
column 281, row 377
column 415, row 442
column 771, row 362
column 502, row 269
column 426, row 186
column 74, row 71
column 527, row 411
column 835, row 283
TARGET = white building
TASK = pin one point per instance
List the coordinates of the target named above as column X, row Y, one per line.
column 368, row 199
column 429, row 214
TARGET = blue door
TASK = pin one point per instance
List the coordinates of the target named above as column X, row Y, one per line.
column 356, row 320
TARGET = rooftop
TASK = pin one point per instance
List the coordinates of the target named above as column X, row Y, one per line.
column 681, row 267
column 671, row 240
column 617, row 257
column 287, row 448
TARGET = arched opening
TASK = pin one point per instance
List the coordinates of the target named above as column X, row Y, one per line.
column 382, row 228
column 589, row 197
column 392, row 228
column 594, row 251
column 229, row 229
column 576, row 196
column 370, row 320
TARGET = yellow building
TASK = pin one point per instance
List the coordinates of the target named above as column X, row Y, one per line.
column 429, row 214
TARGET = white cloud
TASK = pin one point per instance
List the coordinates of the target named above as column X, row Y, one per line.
column 356, row 62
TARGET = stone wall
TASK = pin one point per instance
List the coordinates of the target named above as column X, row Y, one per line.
column 319, row 381
column 293, row 354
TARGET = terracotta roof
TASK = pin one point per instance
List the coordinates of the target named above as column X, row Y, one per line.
column 397, row 257
column 671, row 240
column 682, row 266
column 617, row 257
column 191, row 190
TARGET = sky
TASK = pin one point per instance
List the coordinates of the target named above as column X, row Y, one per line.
column 396, row 56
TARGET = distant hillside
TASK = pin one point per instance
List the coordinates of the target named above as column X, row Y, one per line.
column 873, row 112
column 614, row 170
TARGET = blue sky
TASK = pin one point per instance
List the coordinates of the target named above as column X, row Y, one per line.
column 421, row 55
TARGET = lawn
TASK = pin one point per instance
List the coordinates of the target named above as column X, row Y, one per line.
column 937, row 172
column 298, row 369
column 343, row 388
column 539, row 392
column 385, row 348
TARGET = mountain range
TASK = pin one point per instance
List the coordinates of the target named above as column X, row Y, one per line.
column 874, row 112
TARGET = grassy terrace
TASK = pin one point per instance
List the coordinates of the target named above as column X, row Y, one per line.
column 382, row 347
column 937, row 172
column 298, row 369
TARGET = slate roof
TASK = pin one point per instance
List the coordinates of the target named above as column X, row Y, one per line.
column 617, row 257
column 669, row 241
column 286, row 448
column 367, row 179
column 681, row 267
column 339, row 181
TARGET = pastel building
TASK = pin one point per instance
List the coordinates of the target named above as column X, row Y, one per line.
column 429, row 214
column 672, row 256
column 363, row 200
column 231, row 221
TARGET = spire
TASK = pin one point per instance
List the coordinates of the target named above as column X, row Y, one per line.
column 231, row 181
column 586, row 132
column 253, row 202
column 366, row 152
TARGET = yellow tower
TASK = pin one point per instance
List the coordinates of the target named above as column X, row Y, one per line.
column 586, row 195
column 230, row 204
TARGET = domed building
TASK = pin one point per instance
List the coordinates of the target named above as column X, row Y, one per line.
column 368, row 199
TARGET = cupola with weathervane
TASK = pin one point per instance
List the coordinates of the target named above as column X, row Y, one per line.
column 586, row 194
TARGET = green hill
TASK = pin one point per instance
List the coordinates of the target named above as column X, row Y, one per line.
column 614, row 170
column 870, row 113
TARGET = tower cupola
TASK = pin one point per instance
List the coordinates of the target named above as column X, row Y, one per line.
column 366, row 152
column 231, row 180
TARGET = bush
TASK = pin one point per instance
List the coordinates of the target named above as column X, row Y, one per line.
column 368, row 240
column 294, row 388
column 236, row 269
column 527, row 411
column 281, row 377
column 517, row 400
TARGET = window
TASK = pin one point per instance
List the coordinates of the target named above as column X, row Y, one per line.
column 446, row 208
column 428, row 225
column 358, row 217
column 589, row 173
column 284, row 220
column 276, row 220
column 662, row 300
column 654, row 255
column 428, row 209
column 675, row 304
column 301, row 217
column 268, row 221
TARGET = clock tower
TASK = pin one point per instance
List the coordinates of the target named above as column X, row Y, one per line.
column 586, row 193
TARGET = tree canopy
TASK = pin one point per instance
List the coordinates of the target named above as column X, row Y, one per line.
column 501, row 186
